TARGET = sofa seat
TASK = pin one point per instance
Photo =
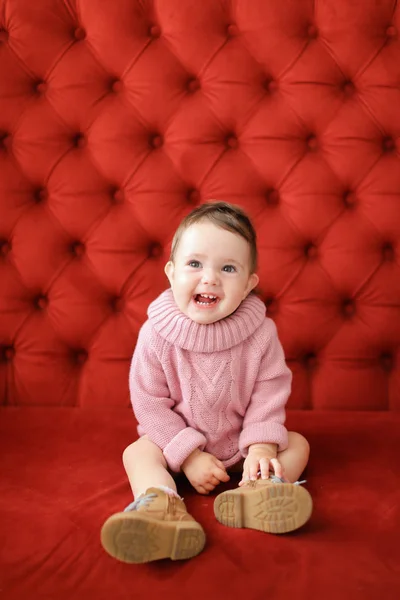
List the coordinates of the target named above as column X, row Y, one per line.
column 62, row 476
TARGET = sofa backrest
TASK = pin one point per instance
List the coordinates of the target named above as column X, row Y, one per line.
column 119, row 118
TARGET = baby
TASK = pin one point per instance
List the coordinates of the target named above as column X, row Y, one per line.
column 209, row 385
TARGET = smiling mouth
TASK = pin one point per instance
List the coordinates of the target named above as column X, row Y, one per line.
column 205, row 299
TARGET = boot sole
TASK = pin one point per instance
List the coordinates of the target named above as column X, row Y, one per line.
column 135, row 538
column 275, row 508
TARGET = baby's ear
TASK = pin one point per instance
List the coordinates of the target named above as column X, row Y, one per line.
column 252, row 283
column 169, row 271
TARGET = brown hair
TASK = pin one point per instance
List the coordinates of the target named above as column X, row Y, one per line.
column 224, row 215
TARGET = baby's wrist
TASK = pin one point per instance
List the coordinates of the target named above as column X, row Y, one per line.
column 191, row 456
column 272, row 449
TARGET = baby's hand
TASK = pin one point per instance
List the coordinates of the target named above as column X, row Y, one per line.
column 204, row 471
column 258, row 460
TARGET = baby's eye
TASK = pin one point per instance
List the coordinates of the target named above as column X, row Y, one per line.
column 194, row 263
column 229, row 269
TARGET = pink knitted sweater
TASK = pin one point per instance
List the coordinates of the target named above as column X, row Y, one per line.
column 218, row 387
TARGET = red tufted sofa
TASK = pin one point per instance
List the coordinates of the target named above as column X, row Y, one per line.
column 116, row 119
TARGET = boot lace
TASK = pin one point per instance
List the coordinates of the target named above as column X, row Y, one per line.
column 143, row 500
column 276, row 479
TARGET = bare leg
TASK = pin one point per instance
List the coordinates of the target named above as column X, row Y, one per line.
column 156, row 526
column 295, row 458
column 146, row 467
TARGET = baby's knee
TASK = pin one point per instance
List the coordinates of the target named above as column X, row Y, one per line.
column 299, row 442
column 142, row 450
column 130, row 452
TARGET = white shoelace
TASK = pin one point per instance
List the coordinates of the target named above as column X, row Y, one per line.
column 276, row 479
column 141, row 501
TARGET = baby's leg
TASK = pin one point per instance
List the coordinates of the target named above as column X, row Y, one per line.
column 157, row 525
column 146, row 467
column 295, row 458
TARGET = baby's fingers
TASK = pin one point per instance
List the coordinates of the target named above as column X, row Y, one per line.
column 245, row 475
column 264, row 467
column 221, row 474
column 213, row 480
column 254, row 464
column 220, row 464
column 278, row 470
column 209, row 486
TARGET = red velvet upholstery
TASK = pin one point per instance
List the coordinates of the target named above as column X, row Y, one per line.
column 116, row 119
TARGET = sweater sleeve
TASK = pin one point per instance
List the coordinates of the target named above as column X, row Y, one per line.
column 265, row 415
column 153, row 405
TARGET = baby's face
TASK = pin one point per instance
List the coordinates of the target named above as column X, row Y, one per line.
column 210, row 275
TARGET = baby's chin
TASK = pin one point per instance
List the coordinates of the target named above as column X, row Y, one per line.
column 201, row 317
column 204, row 320
column 207, row 318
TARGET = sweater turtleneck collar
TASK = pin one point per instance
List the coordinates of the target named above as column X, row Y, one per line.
column 176, row 328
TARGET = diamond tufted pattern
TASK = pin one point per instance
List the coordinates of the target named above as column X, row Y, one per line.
column 117, row 118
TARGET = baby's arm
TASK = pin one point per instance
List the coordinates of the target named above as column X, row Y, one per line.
column 153, row 405
column 263, row 432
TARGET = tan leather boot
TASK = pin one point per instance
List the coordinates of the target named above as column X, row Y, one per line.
column 264, row 505
column 155, row 526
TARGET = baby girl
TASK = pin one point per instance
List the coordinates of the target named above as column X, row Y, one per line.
column 209, row 385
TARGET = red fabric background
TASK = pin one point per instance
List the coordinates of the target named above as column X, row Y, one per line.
column 116, row 119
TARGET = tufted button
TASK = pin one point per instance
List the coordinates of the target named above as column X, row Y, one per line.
column 155, row 31
column 388, row 144
column 348, row 308
column 41, row 87
column 193, row 196
column 79, row 140
column 193, row 85
column 3, row 35
column 312, row 32
column 232, row 30
column 386, row 360
column 117, row 195
column 41, row 302
column 155, row 141
column 270, row 85
column 312, row 142
column 78, row 249
column 9, row 353
column 272, row 305
column 40, row 195
column 272, row 197
column 79, row 33
column 116, row 304
column 311, row 251
column 391, row 31
column 310, row 360
column 388, row 251
column 232, row 141
column 155, row 250
column 81, row 356
column 349, row 198
column 5, row 247
column 348, row 88
column 116, row 85
column 5, row 140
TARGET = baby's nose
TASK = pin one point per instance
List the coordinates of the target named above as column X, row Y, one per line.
column 210, row 276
